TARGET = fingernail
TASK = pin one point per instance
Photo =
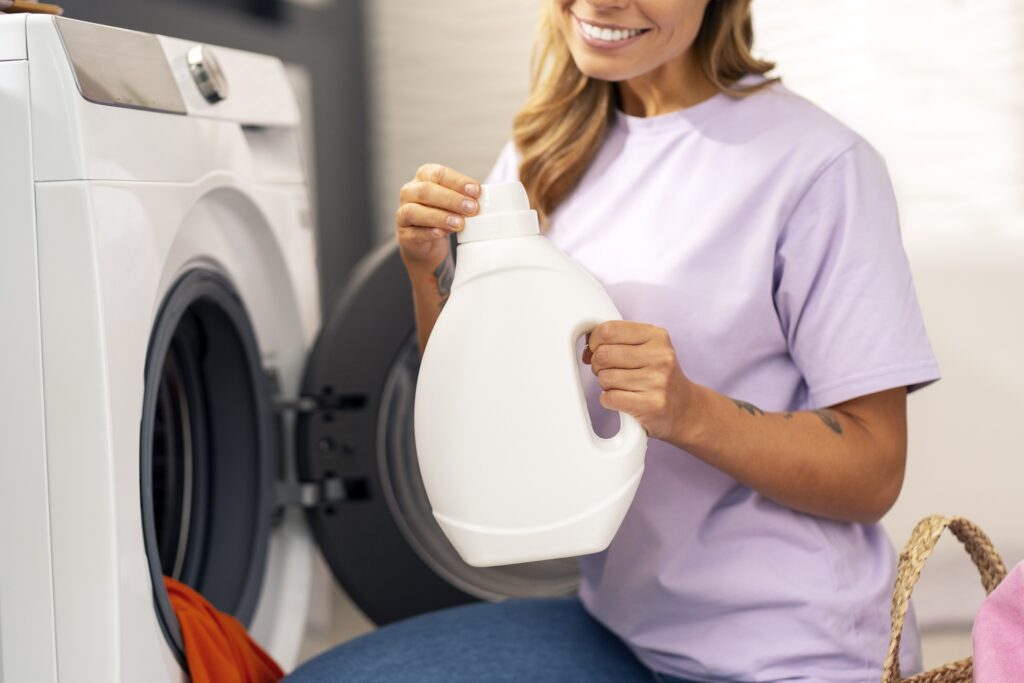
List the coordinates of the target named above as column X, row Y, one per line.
column 454, row 221
column 473, row 190
column 7, row 4
column 468, row 205
column 438, row 232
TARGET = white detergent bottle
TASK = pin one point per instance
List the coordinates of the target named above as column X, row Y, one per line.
column 509, row 458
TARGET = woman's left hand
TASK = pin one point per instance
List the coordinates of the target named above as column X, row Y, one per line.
column 639, row 373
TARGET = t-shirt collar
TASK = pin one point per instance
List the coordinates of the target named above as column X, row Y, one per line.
column 674, row 121
column 681, row 119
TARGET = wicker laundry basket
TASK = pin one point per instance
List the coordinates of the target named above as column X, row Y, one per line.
column 919, row 547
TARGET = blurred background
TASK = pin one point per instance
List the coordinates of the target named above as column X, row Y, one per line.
column 387, row 85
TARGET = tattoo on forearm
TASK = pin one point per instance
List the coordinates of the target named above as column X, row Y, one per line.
column 830, row 419
column 749, row 407
column 444, row 273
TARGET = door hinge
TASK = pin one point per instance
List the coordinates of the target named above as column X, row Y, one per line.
column 310, row 494
column 305, row 405
column 302, row 405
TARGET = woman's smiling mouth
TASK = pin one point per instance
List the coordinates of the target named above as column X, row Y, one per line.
column 606, row 37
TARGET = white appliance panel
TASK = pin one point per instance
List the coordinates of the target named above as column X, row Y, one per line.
column 27, row 647
column 12, row 37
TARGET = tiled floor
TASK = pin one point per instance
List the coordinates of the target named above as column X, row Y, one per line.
column 333, row 618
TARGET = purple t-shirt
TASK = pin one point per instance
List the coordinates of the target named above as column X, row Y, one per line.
column 763, row 235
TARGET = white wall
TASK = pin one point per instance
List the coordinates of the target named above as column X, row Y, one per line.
column 934, row 84
column 445, row 78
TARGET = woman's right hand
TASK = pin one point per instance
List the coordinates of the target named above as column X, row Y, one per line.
column 431, row 206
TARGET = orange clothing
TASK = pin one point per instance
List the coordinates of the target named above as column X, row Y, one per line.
column 217, row 647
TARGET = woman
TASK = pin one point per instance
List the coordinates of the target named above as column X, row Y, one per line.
column 772, row 334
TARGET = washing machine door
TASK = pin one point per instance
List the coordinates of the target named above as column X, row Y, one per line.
column 370, row 513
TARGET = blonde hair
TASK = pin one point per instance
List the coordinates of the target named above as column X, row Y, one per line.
column 564, row 121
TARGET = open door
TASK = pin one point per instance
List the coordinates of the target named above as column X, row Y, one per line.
column 370, row 515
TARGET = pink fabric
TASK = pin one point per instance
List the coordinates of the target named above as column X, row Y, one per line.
column 999, row 632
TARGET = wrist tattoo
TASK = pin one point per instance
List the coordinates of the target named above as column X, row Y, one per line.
column 749, row 407
column 830, row 419
column 444, row 273
column 788, row 415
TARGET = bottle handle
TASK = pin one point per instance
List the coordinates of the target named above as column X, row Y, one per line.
column 631, row 433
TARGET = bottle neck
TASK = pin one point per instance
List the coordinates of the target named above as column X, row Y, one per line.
column 498, row 226
column 482, row 257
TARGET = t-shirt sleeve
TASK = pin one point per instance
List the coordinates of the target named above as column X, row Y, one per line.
column 843, row 289
column 506, row 168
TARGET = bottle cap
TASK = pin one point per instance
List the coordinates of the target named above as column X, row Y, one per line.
column 504, row 212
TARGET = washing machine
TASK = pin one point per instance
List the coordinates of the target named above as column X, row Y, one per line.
column 171, row 402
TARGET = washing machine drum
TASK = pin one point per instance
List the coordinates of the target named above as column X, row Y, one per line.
column 211, row 472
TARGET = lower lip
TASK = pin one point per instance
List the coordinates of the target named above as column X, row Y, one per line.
column 604, row 44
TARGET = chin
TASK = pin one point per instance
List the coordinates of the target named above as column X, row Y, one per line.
column 605, row 69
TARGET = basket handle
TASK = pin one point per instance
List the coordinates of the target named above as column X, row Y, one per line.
column 922, row 541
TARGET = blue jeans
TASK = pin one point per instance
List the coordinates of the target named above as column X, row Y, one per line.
column 542, row 640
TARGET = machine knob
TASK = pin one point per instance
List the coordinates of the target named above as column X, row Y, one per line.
column 207, row 74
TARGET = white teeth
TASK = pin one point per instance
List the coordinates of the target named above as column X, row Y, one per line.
column 608, row 35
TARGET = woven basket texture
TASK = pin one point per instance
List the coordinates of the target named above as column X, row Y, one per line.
column 922, row 541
